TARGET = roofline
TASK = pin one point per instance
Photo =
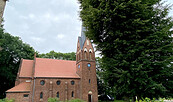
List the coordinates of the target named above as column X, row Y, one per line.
column 17, row 91
column 58, row 77
column 26, row 77
column 55, row 59
column 18, row 74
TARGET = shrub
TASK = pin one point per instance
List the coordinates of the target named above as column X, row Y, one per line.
column 76, row 100
column 6, row 100
column 57, row 100
column 153, row 100
column 53, row 100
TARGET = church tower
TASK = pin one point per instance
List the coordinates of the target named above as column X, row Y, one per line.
column 86, row 68
column 2, row 7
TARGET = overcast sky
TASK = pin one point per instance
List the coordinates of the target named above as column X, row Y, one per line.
column 46, row 24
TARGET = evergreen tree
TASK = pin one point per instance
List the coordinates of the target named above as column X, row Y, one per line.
column 135, row 41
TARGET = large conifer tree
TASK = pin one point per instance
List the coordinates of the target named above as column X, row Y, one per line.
column 135, row 40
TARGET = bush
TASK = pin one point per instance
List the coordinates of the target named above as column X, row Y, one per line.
column 76, row 100
column 57, row 100
column 153, row 100
column 53, row 100
column 6, row 100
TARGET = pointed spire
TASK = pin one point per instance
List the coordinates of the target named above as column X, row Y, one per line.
column 83, row 37
column 83, row 34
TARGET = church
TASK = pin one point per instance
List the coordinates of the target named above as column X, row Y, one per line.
column 42, row 78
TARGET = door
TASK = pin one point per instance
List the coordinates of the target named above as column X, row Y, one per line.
column 89, row 98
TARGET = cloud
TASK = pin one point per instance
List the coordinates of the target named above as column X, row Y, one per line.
column 60, row 36
column 31, row 16
column 37, row 40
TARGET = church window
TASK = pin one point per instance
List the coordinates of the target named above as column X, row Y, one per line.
column 41, row 95
column 42, row 82
column 90, row 55
column 87, row 42
column 72, row 94
column 79, row 66
column 25, row 95
column 89, row 65
column 85, row 54
column 72, row 82
column 89, row 81
column 57, row 94
column 58, row 82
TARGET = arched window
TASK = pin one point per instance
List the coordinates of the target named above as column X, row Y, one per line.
column 41, row 95
column 89, row 81
column 90, row 55
column 85, row 55
column 79, row 56
column 57, row 94
column 72, row 94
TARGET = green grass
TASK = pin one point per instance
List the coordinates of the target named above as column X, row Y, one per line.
column 113, row 101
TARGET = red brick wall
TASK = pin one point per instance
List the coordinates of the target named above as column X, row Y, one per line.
column 18, row 97
column 50, row 89
column 86, row 72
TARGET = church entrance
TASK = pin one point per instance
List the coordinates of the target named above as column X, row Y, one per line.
column 89, row 98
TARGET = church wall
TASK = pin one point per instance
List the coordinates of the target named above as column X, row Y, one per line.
column 21, row 80
column 50, row 89
column 19, row 97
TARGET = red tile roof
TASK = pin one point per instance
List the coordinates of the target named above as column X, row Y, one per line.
column 49, row 68
column 26, row 68
column 22, row 87
column 55, row 68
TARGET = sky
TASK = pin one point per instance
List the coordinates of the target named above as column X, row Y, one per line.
column 46, row 25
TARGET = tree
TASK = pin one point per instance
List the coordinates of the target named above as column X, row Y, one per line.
column 59, row 55
column 135, row 41
column 12, row 50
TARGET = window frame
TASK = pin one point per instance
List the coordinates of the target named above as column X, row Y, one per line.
column 25, row 95
column 72, row 82
column 72, row 94
column 58, row 83
column 42, row 82
column 41, row 95
column 57, row 94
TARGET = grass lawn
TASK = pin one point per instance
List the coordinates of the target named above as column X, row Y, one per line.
column 113, row 101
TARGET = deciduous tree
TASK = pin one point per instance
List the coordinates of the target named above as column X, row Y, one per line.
column 11, row 52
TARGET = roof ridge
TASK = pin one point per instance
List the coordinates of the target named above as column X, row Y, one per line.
column 55, row 59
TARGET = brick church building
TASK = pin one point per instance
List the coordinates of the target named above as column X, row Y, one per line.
column 41, row 78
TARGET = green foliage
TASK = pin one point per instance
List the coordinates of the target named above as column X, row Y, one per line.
column 57, row 100
column 6, row 100
column 12, row 49
column 58, row 55
column 53, row 100
column 135, row 41
column 101, row 85
column 76, row 100
column 153, row 100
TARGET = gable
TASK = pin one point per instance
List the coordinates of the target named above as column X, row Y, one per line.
column 26, row 68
